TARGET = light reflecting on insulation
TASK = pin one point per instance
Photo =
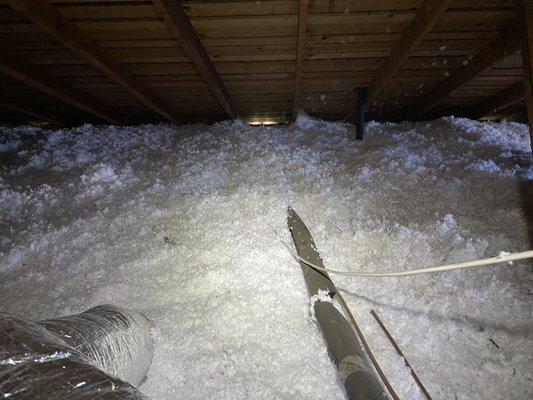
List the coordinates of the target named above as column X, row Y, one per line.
column 265, row 121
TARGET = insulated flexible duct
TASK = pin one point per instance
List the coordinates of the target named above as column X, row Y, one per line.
column 98, row 354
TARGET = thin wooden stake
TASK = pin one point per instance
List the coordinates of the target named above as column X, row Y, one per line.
column 366, row 346
column 399, row 351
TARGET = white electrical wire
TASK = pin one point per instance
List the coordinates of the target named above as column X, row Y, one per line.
column 469, row 264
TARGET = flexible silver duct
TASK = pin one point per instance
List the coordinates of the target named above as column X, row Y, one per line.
column 98, row 354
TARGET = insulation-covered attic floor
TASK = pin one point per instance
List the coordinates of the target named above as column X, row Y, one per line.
column 184, row 224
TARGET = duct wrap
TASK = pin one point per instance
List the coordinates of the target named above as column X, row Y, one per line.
column 101, row 353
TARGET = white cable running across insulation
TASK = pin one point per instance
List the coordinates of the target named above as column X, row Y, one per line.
column 504, row 257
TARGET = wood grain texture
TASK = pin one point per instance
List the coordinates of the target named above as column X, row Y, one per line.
column 303, row 12
column 502, row 99
column 253, row 47
column 429, row 14
column 501, row 48
column 19, row 107
column 20, row 71
column 196, row 51
column 51, row 21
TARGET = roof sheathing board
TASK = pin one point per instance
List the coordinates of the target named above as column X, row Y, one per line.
column 466, row 27
column 347, row 43
column 253, row 47
column 146, row 46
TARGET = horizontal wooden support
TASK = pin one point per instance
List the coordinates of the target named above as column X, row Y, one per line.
column 506, row 45
column 359, row 23
column 20, row 71
column 194, row 48
column 51, row 21
column 154, row 54
column 427, row 16
column 229, row 8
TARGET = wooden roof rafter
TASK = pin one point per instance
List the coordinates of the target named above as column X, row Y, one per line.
column 425, row 19
column 48, row 19
column 20, row 71
column 17, row 107
column 507, row 44
column 502, row 99
column 177, row 20
column 253, row 46
column 303, row 12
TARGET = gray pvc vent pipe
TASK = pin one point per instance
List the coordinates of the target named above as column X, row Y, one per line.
column 344, row 347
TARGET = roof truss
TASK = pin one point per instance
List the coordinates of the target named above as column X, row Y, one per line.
column 23, row 109
column 399, row 50
column 502, row 47
column 502, row 99
column 181, row 26
column 21, row 71
column 51, row 21
column 427, row 16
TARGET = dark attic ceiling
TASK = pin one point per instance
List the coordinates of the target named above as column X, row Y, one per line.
column 69, row 62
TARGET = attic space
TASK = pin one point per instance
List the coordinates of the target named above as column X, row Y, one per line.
column 274, row 199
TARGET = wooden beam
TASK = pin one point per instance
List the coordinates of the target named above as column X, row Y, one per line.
column 180, row 24
column 23, row 109
column 425, row 19
column 526, row 22
column 51, row 21
column 502, row 99
column 300, row 54
column 20, row 71
column 502, row 47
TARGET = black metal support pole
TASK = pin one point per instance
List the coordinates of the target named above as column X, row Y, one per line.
column 361, row 111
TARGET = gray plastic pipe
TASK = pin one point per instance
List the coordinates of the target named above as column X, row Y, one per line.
column 344, row 347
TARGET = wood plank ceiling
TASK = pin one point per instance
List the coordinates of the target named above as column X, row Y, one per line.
column 134, row 61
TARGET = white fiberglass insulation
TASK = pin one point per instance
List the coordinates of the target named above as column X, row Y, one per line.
column 184, row 224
